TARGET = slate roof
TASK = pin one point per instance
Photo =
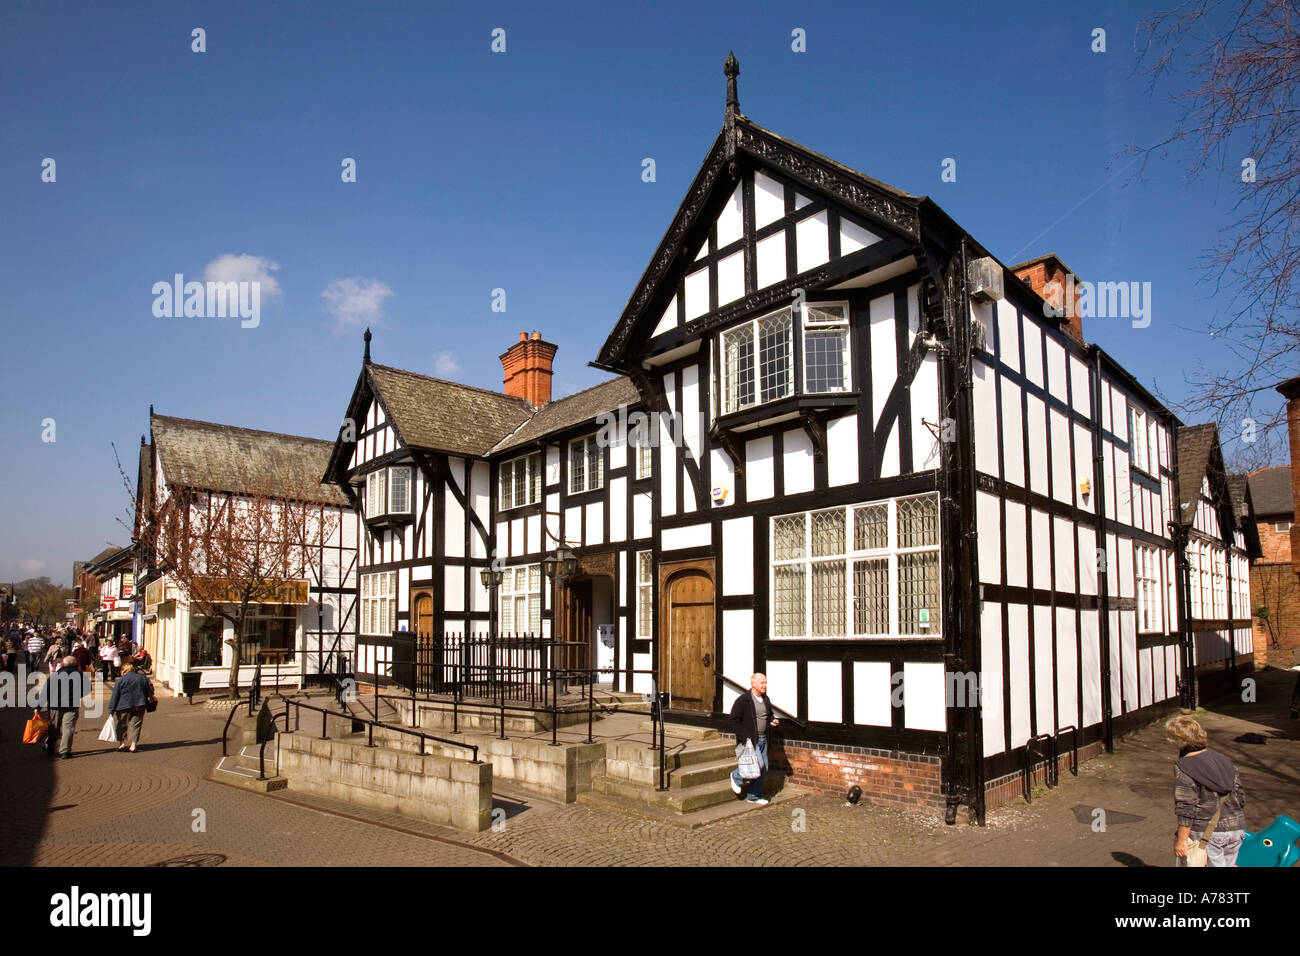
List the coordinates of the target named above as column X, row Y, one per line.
column 1270, row 490
column 212, row 457
column 102, row 557
column 1195, row 446
column 572, row 410
column 433, row 414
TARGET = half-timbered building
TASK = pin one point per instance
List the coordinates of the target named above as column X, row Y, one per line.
column 846, row 446
column 308, row 624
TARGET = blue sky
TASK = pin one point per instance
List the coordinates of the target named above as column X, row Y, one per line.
column 479, row 170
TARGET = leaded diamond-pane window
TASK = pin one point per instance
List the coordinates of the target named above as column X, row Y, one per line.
column 788, row 535
column 918, row 593
column 871, row 597
column 871, row 527
column 789, row 617
column 775, row 358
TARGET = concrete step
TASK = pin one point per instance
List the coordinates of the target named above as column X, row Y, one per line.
column 687, row 731
column 234, row 771
column 640, row 754
column 681, row 800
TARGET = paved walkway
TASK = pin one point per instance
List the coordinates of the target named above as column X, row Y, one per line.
column 155, row 808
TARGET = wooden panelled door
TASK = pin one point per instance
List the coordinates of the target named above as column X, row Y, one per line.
column 688, row 659
column 575, row 612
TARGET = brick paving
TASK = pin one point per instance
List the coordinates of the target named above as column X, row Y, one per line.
column 106, row 808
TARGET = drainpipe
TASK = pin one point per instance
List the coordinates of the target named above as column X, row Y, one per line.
column 1182, row 572
column 1103, row 568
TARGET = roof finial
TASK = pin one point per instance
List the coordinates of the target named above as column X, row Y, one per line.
column 732, row 70
column 141, row 441
column 366, row 358
column 151, row 409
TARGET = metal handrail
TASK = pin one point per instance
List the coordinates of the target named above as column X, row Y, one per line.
column 1073, row 731
column 373, row 723
column 261, row 753
column 226, row 730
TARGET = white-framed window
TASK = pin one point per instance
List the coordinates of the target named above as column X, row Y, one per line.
column 861, row 571
column 758, row 362
column 645, row 456
column 379, row 603
column 1194, row 578
column 586, row 465
column 388, row 491
column 1150, row 612
column 520, row 595
column 1137, row 448
column 826, row 347
column 1282, row 527
column 644, row 594
column 519, row 482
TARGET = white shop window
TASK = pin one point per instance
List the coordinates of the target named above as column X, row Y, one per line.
column 520, row 595
column 379, row 603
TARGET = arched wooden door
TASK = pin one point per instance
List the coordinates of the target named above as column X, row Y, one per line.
column 689, row 656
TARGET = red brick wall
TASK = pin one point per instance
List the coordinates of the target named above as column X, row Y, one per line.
column 1276, row 587
column 1275, row 544
column 1011, row 787
column 887, row 779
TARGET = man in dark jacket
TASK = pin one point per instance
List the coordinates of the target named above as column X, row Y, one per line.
column 753, row 716
column 61, row 695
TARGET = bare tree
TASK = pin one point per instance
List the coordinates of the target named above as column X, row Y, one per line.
column 40, row 601
column 1241, row 59
column 228, row 554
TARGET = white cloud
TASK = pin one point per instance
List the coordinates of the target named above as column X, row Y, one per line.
column 356, row 302
column 244, row 268
column 445, row 364
column 32, row 564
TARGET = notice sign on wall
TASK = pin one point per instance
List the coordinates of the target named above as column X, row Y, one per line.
column 923, row 617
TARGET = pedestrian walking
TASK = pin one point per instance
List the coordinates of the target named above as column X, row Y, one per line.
column 54, row 656
column 61, row 695
column 131, row 696
column 1208, row 799
column 753, row 716
column 35, row 648
column 107, row 656
column 82, row 654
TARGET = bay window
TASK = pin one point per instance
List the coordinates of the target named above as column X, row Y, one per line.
column 388, row 492
column 757, row 358
column 861, row 571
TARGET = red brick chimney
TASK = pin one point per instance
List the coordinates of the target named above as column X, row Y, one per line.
column 1290, row 390
column 527, row 367
column 1051, row 278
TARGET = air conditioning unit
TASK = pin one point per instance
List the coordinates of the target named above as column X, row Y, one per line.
column 984, row 276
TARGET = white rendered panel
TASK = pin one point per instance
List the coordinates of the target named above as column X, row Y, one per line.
column 1067, row 668
column 812, row 242
column 1044, row 685
column 783, row 685
column 989, row 537
column 923, row 696
column 1036, row 428
column 841, row 451
column 618, row 509
column 770, row 260
column 1009, row 335
column 453, row 529
column 730, row 220
column 1055, row 353
column 1013, row 435
column 1018, row 659
column 738, row 556
column 884, row 354
column 697, row 293
column 642, row 511
column 769, row 200
column 738, row 645
column 1033, row 351
column 797, row 461
column 1063, row 554
column 1083, row 470
column 925, row 408
column 853, row 237
column 1089, row 560
column 1080, row 387
column 1144, row 677
column 758, row 469
column 986, row 418
column 1091, row 665
column 825, row 692
column 595, row 523
column 690, row 536
column 668, row 321
column 1062, row 484
column 1128, row 658
column 453, row 582
column 990, row 688
column 1017, row 553
column 731, row 278
column 872, row 692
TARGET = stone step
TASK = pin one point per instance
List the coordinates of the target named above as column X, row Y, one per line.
column 642, row 755
column 230, row 771
column 695, row 774
column 687, row 731
column 682, row 800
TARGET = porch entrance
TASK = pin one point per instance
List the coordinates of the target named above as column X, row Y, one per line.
column 688, row 654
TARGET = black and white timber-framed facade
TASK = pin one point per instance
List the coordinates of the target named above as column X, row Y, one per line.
column 940, row 522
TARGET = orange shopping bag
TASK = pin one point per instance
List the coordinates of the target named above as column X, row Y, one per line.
column 37, row 727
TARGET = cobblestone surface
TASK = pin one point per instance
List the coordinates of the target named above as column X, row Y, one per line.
column 106, row 808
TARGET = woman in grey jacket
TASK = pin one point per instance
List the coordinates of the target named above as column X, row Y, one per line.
column 131, row 694
column 1201, row 779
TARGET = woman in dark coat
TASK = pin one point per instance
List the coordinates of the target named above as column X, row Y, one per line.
column 131, row 693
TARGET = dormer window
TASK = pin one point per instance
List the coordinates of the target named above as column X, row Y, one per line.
column 388, row 493
column 758, row 357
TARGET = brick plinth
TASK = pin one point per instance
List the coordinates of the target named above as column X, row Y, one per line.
column 887, row 778
column 1011, row 786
